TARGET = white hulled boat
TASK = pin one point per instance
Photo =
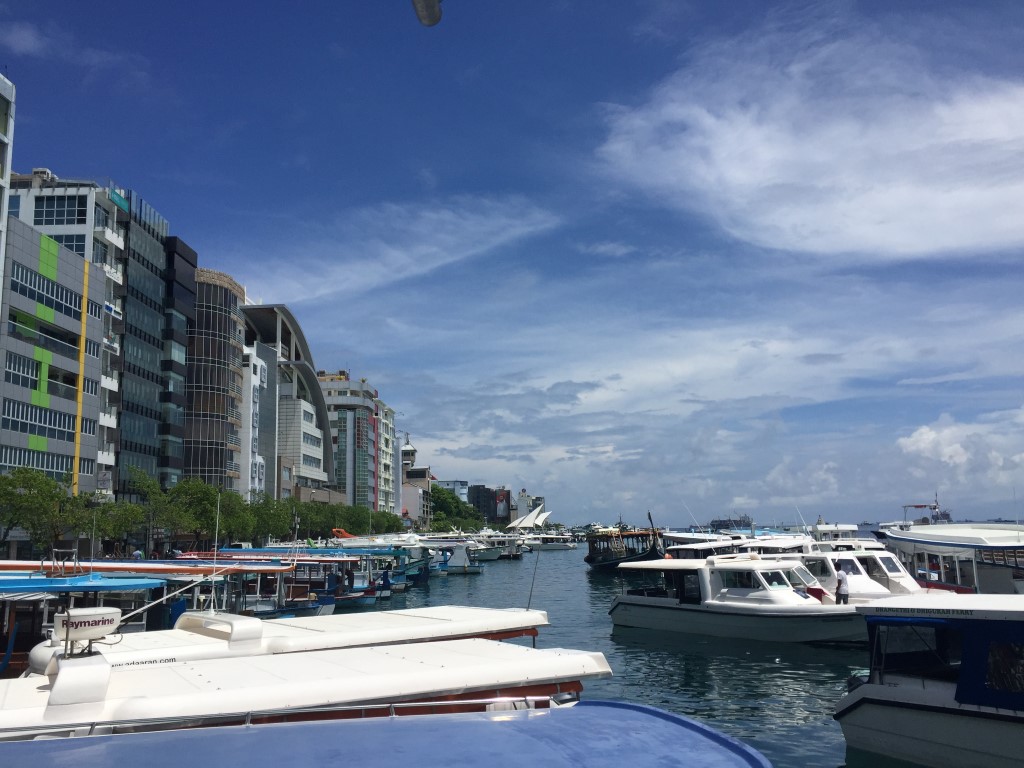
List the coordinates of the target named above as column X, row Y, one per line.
column 739, row 596
column 210, row 635
column 945, row 685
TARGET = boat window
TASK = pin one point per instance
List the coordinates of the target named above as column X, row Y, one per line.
column 850, row 566
column 738, row 579
column 890, row 563
column 690, row 592
column 872, row 566
column 921, row 651
column 818, row 567
column 801, row 576
column 1005, row 667
column 775, row 580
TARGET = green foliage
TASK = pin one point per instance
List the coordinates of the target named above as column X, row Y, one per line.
column 272, row 518
column 448, row 511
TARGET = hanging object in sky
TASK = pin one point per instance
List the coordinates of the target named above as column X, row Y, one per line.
column 428, row 11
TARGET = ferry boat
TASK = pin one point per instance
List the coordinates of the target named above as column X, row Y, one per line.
column 945, row 684
column 737, row 596
column 963, row 557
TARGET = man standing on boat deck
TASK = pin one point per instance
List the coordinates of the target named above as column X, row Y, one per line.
column 842, row 586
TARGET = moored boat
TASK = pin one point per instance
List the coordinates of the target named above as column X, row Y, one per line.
column 945, row 685
column 608, row 547
column 593, row 733
column 738, row 596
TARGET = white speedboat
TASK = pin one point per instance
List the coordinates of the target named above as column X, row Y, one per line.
column 210, row 635
column 85, row 694
column 738, row 596
column 945, row 685
column 538, row 542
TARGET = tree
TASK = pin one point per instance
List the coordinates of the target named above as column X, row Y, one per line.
column 162, row 509
column 48, row 510
column 272, row 518
column 449, row 511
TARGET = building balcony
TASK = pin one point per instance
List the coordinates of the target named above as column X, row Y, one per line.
column 111, row 343
column 234, row 440
column 108, row 418
column 105, row 455
column 113, row 309
column 41, row 339
column 114, row 237
column 114, row 272
column 110, row 382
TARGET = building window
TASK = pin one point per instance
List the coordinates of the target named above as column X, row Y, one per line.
column 90, row 386
column 99, row 252
column 307, row 417
column 74, row 243
column 43, row 422
column 53, row 210
column 92, row 348
column 311, row 440
column 14, row 206
column 309, row 461
column 35, row 287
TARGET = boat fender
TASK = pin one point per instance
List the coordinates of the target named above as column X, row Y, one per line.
column 754, row 556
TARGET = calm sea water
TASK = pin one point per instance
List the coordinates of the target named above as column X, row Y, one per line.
column 776, row 697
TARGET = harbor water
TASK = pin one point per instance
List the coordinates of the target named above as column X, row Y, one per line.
column 777, row 697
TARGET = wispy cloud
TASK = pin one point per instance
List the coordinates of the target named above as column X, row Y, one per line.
column 372, row 247
column 831, row 138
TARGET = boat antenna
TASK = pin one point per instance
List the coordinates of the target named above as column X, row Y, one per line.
column 216, row 545
column 801, row 516
column 700, row 528
column 533, row 580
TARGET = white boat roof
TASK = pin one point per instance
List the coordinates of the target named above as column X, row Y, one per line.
column 715, row 561
column 995, row 607
column 968, row 534
column 202, row 635
column 88, row 690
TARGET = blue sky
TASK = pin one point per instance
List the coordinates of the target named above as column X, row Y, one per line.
column 691, row 258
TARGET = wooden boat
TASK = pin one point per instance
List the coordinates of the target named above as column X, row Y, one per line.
column 945, row 685
column 737, row 596
column 608, row 547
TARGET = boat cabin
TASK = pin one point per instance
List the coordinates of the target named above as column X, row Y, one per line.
column 976, row 642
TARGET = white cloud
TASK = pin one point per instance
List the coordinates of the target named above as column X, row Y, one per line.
column 377, row 246
column 24, row 39
column 992, row 447
column 831, row 140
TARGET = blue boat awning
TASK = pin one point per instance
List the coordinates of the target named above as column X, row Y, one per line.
column 595, row 734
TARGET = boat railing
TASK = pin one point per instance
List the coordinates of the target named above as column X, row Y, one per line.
column 352, row 711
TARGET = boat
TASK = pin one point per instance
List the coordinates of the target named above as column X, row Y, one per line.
column 212, row 635
column 608, row 547
column 447, row 675
column 985, row 558
column 738, row 596
column 945, row 684
column 459, row 561
column 593, row 733
column 548, row 542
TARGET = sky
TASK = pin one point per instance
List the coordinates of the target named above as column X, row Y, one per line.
column 688, row 258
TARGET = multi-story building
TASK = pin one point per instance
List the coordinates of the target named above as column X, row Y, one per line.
column 6, row 153
column 220, row 398
column 304, row 453
column 459, row 487
column 416, row 480
column 485, row 501
column 82, row 216
column 51, row 346
column 363, row 436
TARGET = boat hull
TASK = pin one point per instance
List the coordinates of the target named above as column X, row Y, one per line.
column 823, row 624
column 908, row 722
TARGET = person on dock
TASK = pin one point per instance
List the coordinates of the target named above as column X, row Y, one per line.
column 842, row 586
column 350, row 579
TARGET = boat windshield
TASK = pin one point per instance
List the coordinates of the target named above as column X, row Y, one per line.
column 891, row 564
column 849, row 565
column 775, row 580
column 801, row 577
